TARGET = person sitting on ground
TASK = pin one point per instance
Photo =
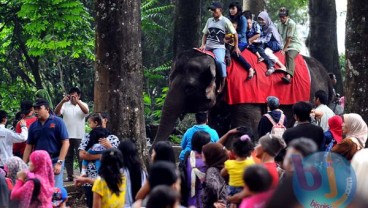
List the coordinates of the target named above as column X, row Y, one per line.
column 94, row 147
column 240, row 24
column 201, row 125
column 355, row 130
column 333, row 135
column 270, row 38
column 110, row 187
column 195, row 169
column 242, row 148
column 321, row 101
column 265, row 125
column 214, row 190
column 213, row 38
column 304, row 128
column 292, row 43
column 257, row 182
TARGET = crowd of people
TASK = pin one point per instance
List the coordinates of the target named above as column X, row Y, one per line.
column 243, row 168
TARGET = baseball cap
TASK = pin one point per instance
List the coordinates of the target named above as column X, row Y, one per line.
column 59, row 196
column 272, row 101
column 215, row 5
column 39, row 102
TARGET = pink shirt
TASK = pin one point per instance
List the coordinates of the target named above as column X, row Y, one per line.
column 256, row 201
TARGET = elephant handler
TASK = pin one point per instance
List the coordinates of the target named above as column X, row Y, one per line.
column 292, row 44
column 213, row 38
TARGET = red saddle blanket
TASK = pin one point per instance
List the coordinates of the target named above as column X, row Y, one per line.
column 239, row 90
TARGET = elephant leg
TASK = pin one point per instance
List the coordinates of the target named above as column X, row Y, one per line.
column 246, row 115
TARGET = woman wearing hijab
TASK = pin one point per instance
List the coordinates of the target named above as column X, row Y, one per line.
column 12, row 166
column 355, row 130
column 214, row 187
column 333, row 135
column 34, row 188
column 270, row 38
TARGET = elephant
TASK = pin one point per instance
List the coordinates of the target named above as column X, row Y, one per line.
column 192, row 88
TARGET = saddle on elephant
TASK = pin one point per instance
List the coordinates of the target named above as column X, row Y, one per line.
column 257, row 89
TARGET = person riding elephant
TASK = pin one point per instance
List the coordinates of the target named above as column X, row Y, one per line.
column 193, row 85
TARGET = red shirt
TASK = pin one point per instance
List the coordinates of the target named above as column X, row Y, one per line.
column 19, row 147
column 272, row 169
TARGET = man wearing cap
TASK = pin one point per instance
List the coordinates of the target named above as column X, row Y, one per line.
column 26, row 111
column 213, row 37
column 265, row 125
column 292, row 43
column 8, row 137
column 74, row 113
column 48, row 133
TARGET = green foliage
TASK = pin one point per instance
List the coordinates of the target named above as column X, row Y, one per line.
column 59, row 26
column 12, row 95
column 153, row 106
column 176, row 139
column 298, row 9
column 342, row 64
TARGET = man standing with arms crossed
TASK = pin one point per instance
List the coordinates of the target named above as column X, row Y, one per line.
column 48, row 133
column 74, row 112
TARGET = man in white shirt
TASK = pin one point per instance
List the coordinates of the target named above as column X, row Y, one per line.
column 320, row 101
column 8, row 137
column 74, row 112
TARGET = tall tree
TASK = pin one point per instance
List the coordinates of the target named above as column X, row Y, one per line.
column 322, row 39
column 119, row 74
column 187, row 25
column 356, row 82
column 255, row 6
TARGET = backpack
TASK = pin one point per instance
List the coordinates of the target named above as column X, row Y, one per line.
column 278, row 129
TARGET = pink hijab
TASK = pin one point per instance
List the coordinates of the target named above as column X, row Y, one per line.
column 43, row 171
column 357, row 128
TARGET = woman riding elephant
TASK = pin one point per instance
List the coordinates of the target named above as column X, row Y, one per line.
column 192, row 89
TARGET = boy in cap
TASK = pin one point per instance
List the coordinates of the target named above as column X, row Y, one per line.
column 273, row 112
column 213, row 37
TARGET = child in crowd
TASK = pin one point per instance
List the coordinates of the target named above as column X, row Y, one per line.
column 242, row 148
column 195, row 169
column 214, row 190
column 109, row 188
column 59, row 198
column 94, row 147
column 163, row 196
column 257, row 182
column 34, row 188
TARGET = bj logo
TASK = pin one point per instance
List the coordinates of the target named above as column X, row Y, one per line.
column 323, row 180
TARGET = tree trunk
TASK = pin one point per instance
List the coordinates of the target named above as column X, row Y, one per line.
column 119, row 74
column 356, row 82
column 187, row 25
column 255, row 6
column 322, row 39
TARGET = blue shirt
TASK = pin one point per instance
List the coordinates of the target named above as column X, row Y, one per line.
column 48, row 136
column 186, row 142
column 254, row 30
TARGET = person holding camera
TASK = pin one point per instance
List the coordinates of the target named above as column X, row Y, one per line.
column 74, row 112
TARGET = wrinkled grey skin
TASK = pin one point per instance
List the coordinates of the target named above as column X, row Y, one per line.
column 192, row 88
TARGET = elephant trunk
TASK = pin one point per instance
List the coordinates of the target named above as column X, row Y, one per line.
column 172, row 109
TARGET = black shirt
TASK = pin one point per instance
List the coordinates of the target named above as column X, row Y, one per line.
column 306, row 130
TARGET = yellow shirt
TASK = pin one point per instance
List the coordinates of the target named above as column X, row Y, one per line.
column 236, row 169
column 109, row 199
